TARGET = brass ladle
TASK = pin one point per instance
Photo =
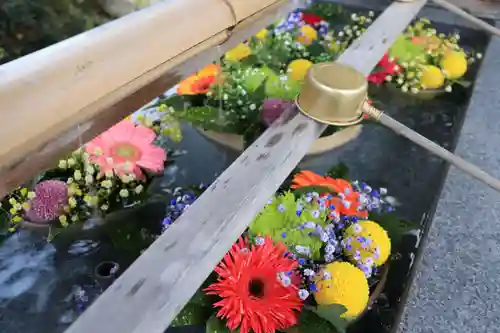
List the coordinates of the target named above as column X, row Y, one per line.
column 335, row 94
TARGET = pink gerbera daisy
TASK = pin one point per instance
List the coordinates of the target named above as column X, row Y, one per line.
column 126, row 148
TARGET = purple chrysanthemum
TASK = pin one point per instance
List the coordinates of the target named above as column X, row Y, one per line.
column 48, row 204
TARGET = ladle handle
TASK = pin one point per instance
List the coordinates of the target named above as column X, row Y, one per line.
column 463, row 14
column 434, row 148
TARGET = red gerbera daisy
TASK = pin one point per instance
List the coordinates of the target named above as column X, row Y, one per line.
column 253, row 296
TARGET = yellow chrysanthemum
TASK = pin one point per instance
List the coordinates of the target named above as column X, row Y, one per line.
column 346, row 285
column 307, row 35
column 262, row 34
column 238, row 53
column 368, row 243
column 454, row 64
column 298, row 69
column 432, row 77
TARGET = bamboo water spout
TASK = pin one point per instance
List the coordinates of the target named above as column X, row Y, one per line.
column 335, row 94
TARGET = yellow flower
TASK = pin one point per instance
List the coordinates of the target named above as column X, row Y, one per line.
column 298, row 69
column 262, row 34
column 307, row 35
column 17, row 219
column 346, row 285
column 238, row 53
column 454, row 64
column 432, row 77
column 375, row 250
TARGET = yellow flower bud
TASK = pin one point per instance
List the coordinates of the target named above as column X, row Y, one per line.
column 72, row 202
column 31, row 195
column 63, row 220
column 262, row 34
column 62, row 164
column 139, row 189
column 123, row 193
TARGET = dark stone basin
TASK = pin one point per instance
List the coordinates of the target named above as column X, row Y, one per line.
column 37, row 283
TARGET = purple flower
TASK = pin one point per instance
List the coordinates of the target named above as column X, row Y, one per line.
column 272, row 109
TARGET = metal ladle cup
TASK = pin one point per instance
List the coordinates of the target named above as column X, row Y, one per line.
column 335, row 94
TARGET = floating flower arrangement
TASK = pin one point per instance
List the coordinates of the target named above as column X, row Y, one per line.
column 258, row 80
column 112, row 172
column 423, row 60
column 313, row 260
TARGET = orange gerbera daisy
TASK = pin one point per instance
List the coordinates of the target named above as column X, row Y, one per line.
column 252, row 297
column 200, row 82
column 126, row 148
column 347, row 201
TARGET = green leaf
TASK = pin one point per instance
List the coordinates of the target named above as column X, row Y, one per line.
column 463, row 83
column 215, row 325
column 339, row 171
column 312, row 188
column 191, row 314
column 332, row 314
column 316, row 48
column 200, row 298
column 204, row 116
column 394, row 226
column 177, row 102
column 405, row 50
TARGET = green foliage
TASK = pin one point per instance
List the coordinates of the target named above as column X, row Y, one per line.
column 395, row 226
column 339, row 170
column 27, row 26
column 215, row 325
column 405, row 50
column 280, row 220
column 330, row 12
column 332, row 314
column 191, row 314
column 205, row 117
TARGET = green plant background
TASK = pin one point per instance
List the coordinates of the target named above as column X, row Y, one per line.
column 29, row 25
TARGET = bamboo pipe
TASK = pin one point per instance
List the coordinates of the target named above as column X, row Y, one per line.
column 48, row 89
column 69, row 92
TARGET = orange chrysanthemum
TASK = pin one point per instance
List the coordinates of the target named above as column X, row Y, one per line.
column 200, row 82
column 252, row 297
column 347, row 203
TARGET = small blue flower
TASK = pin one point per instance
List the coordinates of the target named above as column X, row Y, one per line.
column 283, row 234
column 281, row 208
column 315, row 213
column 303, row 294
